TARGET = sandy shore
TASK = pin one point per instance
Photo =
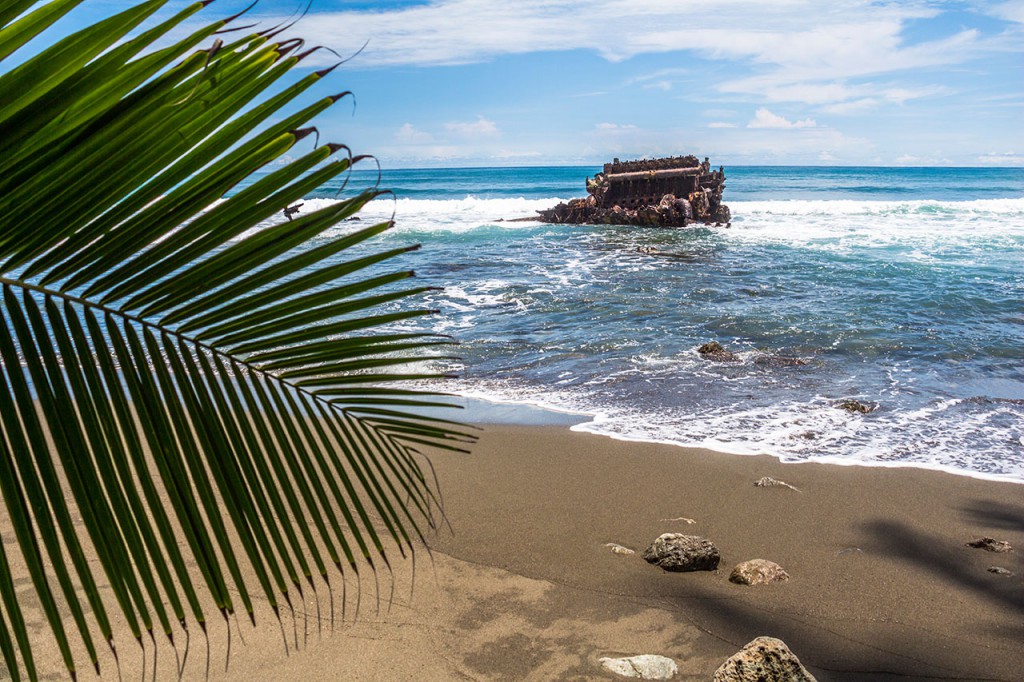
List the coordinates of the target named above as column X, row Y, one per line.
column 883, row 586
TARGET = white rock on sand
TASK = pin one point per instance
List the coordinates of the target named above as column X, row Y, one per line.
column 644, row 667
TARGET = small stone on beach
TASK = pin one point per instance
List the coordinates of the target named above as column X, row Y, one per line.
column 683, row 519
column 765, row 659
column 682, row 553
column 991, row 545
column 999, row 570
column 758, row 572
column 769, row 482
column 619, row 549
column 644, row 667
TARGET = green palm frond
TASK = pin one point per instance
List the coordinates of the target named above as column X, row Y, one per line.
column 160, row 342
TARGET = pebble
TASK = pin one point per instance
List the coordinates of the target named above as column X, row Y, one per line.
column 769, row 482
column 644, row 667
column 619, row 549
column 991, row 545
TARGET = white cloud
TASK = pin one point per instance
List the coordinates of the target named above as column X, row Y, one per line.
column 410, row 135
column 662, row 79
column 767, row 146
column 1001, row 159
column 1010, row 11
column 615, row 126
column 861, row 36
column 481, row 127
column 766, row 119
column 793, row 51
column 721, row 124
column 917, row 160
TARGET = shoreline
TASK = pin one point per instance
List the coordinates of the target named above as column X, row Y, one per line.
column 488, row 410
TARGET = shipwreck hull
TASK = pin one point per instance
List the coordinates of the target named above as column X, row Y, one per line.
column 671, row 192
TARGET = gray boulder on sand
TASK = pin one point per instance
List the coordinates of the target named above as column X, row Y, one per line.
column 758, row 572
column 765, row 659
column 644, row 666
column 678, row 552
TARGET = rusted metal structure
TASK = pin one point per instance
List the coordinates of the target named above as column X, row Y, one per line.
column 669, row 192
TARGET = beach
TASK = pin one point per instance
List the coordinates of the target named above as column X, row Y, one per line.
column 523, row 586
column 831, row 288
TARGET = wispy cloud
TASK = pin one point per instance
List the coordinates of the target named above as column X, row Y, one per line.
column 1001, row 159
column 1010, row 11
column 766, row 119
column 789, row 51
column 409, row 134
column 861, row 36
column 721, row 124
column 481, row 127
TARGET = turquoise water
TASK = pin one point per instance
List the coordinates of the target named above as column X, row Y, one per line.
column 898, row 287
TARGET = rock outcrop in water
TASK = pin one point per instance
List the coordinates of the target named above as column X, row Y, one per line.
column 672, row 192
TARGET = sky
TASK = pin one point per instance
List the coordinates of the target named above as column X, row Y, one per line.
column 745, row 82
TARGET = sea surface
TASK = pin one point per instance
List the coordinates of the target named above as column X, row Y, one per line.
column 902, row 288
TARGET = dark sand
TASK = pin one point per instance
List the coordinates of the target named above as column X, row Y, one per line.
column 883, row 586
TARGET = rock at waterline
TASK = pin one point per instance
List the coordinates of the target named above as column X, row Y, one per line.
column 991, row 545
column 681, row 553
column 856, row 406
column 765, row 659
column 644, row 667
column 716, row 352
column 758, row 572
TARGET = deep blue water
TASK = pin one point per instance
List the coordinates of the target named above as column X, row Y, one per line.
column 899, row 287
column 745, row 182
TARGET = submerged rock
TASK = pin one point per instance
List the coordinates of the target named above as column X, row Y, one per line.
column 765, row 659
column 778, row 361
column 758, row 572
column 644, row 667
column 856, row 406
column 681, row 553
column 716, row 352
column 991, row 545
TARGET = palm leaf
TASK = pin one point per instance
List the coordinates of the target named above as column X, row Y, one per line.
column 160, row 342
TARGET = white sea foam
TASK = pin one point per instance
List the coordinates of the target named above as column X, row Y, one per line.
column 795, row 432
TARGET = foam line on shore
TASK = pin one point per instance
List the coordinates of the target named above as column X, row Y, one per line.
column 479, row 410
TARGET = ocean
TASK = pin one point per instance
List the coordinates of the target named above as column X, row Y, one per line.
column 902, row 288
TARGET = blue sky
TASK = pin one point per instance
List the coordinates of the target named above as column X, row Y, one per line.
column 541, row 82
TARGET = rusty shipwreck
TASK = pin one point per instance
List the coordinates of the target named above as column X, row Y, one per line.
column 669, row 192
